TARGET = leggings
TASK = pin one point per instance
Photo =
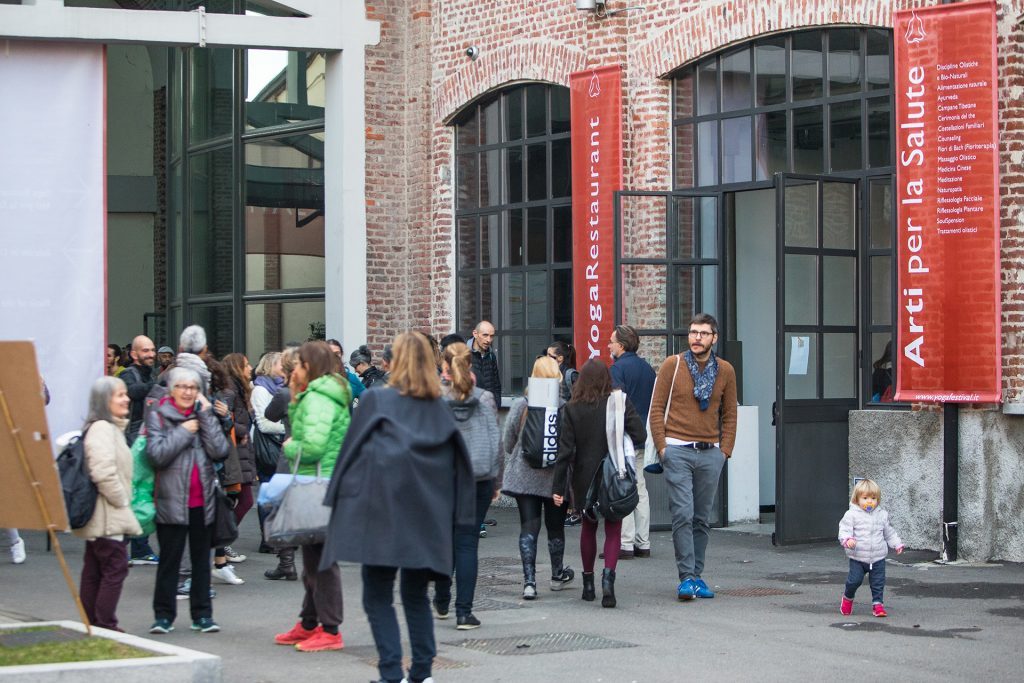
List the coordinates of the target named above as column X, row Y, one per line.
column 588, row 544
column 530, row 510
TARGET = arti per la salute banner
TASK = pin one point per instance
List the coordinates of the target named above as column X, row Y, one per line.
column 947, row 198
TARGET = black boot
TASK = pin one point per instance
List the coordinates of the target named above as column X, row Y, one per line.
column 608, row 588
column 560, row 576
column 528, row 553
column 588, row 586
column 285, row 568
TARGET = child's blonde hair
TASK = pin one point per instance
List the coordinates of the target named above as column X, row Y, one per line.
column 866, row 487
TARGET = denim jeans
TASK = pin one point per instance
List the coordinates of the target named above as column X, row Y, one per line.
column 378, row 602
column 466, row 542
column 876, row 579
column 692, row 478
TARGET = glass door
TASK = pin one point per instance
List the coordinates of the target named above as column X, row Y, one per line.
column 816, row 352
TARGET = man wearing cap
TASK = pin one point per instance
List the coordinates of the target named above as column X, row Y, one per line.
column 164, row 358
column 694, row 438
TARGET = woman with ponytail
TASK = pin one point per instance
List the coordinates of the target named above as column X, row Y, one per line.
column 476, row 416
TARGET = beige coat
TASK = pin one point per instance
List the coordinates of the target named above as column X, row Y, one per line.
column 109, row 461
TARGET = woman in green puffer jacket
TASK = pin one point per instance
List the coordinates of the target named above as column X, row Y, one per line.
column 319, row 417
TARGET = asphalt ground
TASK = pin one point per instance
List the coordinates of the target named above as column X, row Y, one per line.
column 775, row 617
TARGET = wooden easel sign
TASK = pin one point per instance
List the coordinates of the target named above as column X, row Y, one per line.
column 32, row 494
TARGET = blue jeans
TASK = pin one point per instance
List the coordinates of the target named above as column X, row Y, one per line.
column 876, row 579
column 466, row 542
column 692, row 478
column 140, row 547
column 378, row 601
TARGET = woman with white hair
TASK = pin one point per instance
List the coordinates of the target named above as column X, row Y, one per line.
column 109, row 463
column 184, row 440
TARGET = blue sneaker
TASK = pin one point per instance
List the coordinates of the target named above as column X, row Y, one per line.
column 687, row 590
column 161, row 626
column 702, row 590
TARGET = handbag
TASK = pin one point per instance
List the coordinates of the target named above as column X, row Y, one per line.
column 266, row 449
column 301, row 517
column 142, row 487
column 652, row 461
column 613, row 492
column 225, row 527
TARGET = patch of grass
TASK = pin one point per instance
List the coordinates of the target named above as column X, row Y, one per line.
column 80, row 650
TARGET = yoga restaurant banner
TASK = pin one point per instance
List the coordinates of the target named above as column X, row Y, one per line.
column 596, row 116
column 947, row 197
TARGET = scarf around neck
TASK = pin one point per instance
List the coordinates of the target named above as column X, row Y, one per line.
column 703, row 382
column 271, row 384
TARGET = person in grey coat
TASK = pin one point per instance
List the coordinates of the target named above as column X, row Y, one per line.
column 395, row 502
column 532, row 490
column 184, row 439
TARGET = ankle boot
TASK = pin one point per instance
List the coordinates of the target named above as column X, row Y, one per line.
column 560, row 576
column 608, row 588
column 285, row 568
column 528, row 553
column 588, row 587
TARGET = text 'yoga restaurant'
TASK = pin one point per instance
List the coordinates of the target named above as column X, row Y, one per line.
column 839, row 183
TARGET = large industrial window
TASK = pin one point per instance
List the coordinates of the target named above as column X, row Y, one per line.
column 815, row 102
column 513, row 231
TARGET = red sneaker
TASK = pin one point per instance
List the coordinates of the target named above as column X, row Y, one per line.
column 879, row 610
column 321, row 642
column 296, row 635
column 846, row 606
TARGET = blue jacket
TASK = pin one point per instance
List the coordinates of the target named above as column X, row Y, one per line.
column 635, row 376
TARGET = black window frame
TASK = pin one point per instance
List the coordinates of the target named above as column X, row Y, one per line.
column 516, row 344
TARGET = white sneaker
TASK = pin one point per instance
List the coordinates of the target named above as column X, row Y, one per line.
column 18, row 552
column 226, row 574
column 232, row 556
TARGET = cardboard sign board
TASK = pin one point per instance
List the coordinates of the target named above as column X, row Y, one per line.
column 22, row 391
column 947, row 180
column 595, row 103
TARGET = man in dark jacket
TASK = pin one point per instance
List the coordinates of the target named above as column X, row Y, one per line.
column 485, row 362
column 139, row 378
column 635, row 377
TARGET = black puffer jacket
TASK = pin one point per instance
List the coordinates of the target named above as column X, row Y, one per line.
column 485, row 367
column 138, row 379
column 173, row 450
column 372, row 376
column 243, row 422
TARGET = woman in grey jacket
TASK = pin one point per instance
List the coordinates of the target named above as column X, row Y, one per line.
column 532, row 490
column 184, row 440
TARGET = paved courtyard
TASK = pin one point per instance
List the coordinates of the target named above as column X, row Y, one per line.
column 775, row 617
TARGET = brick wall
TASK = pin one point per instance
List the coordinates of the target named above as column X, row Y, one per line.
column 419, row 78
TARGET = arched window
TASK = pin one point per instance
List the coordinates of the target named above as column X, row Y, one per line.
column 513, row 215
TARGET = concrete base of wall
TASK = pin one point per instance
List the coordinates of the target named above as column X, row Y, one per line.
column 171, row 664
column 902, row 451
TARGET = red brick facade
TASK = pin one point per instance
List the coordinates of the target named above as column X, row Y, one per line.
column 419, row 78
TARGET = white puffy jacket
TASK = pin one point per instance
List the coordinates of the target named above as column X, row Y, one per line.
column 872, row 531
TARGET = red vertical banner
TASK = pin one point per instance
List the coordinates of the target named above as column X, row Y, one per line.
column 596, row 117
column 948, row 342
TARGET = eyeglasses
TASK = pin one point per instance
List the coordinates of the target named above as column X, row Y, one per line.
column 703, row 334
column 186, row 388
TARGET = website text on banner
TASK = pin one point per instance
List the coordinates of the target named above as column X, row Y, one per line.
column 947, row 194
column 596, row 111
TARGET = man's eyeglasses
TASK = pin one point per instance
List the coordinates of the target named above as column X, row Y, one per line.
column 703, row 334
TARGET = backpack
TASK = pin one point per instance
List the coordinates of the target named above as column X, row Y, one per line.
column 568, row 380
column 79, row 490
column 479, row 429
column 538, row 436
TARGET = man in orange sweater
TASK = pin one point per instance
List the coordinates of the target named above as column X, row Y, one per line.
column 694, row 438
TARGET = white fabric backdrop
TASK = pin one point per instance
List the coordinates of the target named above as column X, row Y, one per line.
column 53, row 215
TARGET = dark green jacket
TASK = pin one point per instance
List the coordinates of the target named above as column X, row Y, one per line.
column 319, row 420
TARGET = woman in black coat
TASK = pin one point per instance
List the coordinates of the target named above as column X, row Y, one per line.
column 582, row 445
column 395, row 502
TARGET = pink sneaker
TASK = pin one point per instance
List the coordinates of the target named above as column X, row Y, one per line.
column 846, row 606
column 879, row 610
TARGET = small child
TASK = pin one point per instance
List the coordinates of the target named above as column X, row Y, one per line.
column 867, row 535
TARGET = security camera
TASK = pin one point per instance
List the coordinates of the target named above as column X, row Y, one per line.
column 472, row 52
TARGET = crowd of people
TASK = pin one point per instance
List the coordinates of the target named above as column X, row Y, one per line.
column 421, row 432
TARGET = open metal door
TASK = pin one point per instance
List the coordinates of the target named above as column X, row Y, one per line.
column 667, row 267
column 817, row 351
